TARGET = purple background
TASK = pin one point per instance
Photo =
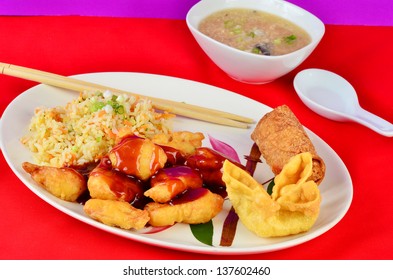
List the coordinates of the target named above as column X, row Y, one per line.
column 347, row 12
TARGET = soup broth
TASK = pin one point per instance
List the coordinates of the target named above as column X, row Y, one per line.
column 255, row 31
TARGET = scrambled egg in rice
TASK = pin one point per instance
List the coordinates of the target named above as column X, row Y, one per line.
column 88, row 127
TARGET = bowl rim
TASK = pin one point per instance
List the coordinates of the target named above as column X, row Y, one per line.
column 314, row 40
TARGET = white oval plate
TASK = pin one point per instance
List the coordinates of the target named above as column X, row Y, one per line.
column 336, row 189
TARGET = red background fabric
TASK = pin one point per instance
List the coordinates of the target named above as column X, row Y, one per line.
column 352, row 12
column 32, row 229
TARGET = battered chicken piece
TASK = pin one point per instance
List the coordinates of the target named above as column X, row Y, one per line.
column 116, row 213
column 137, row 157
column 174, row 156
column 208, row 163
column 169, row 182
column 196, row 206
column 106, row 183
column 184, row 141
column 64, row 183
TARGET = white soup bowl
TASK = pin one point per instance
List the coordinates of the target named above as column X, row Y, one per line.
column 248, row 67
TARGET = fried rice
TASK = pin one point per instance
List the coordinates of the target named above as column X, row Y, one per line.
column 86, row 128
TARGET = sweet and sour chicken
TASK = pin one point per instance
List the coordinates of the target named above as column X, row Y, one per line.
column 141, row 183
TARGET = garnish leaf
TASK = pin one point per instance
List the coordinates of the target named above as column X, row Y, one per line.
column 203, row 232
column 270, row 187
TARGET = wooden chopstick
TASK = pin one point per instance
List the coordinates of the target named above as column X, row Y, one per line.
column 178, row 108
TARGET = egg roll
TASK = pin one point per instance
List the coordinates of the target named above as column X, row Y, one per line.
column 279, row 135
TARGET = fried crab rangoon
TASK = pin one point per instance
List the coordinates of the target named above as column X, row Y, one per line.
column 293, row 206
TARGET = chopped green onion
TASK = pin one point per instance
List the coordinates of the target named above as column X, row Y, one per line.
column 237, row 29
column 277, row 41
column 120, row 109
column 96, row 106
column 290, row 39
column 251, row 34
column 229, row 23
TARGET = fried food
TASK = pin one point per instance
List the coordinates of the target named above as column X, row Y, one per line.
column 64, row 183
column 106, row 183
column 196, row 206
column 279, row 136
column 293, row 190
column 292, row 208
column 184, row 141
column 169, row 182
column 137, row 157
column 209, row 163
column 116, row 213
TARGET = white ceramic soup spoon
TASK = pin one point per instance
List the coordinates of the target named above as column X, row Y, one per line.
column 331, row 96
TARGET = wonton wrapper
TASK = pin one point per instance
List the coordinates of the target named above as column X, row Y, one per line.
column 292, row 208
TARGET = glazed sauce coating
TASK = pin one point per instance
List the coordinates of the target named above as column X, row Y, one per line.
column 205, row 159
column 189, row 195
column 125, row 156
column 177, row 179
column 137, row 157
column 180, row 175
column 126, row 187
column 209, row 163
column 174, row 156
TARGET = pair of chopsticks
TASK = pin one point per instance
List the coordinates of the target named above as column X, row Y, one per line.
column 177, row 108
